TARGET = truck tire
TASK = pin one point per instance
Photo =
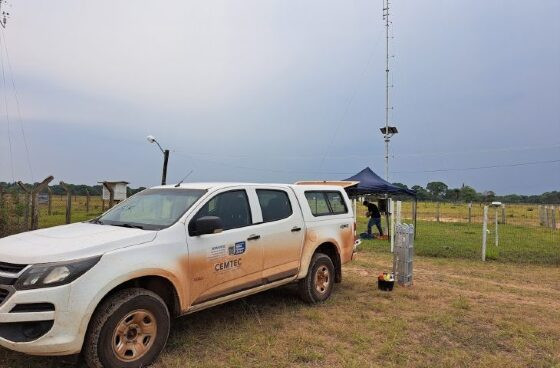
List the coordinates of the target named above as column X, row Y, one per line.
column 128, row 330
column 317, row 286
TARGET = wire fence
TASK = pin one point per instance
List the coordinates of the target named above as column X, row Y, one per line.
column 520, row 233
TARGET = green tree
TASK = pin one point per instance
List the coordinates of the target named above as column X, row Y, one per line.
column 437, row 189
column 468, row 194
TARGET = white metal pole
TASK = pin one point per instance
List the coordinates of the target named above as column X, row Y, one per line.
column 391, row 206
column 496, row 241
column 484, row 230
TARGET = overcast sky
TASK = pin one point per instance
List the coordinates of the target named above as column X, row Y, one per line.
column 260, row 90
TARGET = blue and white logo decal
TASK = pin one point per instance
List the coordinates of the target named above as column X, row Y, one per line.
column 237, row 249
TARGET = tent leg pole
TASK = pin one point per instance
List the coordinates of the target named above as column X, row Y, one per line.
column 387, row 218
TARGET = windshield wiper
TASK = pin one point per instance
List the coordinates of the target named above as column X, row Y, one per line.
column 97, row 221
column 129, row 226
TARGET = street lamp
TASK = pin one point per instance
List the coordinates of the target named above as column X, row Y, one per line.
column 152, row 139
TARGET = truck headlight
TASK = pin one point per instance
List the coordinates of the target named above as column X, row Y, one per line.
column 54, row 274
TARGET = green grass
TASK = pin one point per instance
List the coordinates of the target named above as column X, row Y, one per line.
column 518, row 244
column 459, row 313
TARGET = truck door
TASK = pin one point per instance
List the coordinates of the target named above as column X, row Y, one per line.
column 282, row 232
column 230, row 261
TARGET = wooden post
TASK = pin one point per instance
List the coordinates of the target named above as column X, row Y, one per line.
column 484, row 231
column 437, row 211
column 470, row 212
column 33, row 195
column 545, row 217
column 68, row 201
column 503, row 213
column 87, row 201
column 111, row 193
column 49, row 210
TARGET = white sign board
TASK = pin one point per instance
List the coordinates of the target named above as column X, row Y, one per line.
column 120, row 192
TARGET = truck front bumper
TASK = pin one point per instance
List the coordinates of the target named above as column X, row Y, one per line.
column 39, row 322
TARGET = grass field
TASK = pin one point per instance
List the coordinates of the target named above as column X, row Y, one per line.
column 459, row 313
column 519, row 244
column 515, row 214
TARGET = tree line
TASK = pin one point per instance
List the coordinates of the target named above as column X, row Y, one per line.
column 439, row 191
column 77, row 189
column 434, row 191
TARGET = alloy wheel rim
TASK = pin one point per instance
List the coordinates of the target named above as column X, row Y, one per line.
column 134, row 335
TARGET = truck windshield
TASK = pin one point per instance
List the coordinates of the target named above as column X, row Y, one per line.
column 152, row 209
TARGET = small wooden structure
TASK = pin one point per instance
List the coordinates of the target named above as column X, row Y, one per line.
column 113, row 191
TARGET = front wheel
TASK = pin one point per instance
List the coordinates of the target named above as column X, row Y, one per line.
column 317, row 286
column 128, row 330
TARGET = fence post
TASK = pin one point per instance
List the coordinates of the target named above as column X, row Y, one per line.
column 391, row 205
column 541, row 215
column 503, row 214
column 111, row 191
column 49, row 208
column 470, row 212
column 496, row 216
column 87, row 201
column 33, row 195
column 553, row 218
column 68, row 202
column 484, row 231
column 414, row 214
column 437, row 211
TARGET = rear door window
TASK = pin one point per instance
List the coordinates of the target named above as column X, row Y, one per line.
column 275, row 204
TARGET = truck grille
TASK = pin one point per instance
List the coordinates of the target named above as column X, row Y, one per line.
column 11, row 268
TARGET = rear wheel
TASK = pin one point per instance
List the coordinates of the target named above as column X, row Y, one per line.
column 317, row 286
column 128, row 330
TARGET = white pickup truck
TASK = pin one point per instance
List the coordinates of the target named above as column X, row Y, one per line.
column 108, row 287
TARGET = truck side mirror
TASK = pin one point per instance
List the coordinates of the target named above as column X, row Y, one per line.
column 206, row 225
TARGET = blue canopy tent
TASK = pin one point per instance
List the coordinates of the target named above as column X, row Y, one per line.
column 369, row 182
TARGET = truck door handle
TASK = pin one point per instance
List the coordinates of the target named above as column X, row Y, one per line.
column 296, row 229
column 254, row 237
column 344, row 226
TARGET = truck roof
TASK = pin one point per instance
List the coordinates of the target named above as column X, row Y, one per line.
column 220, row 185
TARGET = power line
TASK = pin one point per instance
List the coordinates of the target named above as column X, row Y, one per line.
column 7, row 114
column 18, row 108
column 479, row 167
column 282, row 171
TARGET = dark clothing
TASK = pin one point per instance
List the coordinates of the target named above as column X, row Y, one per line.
column 375, row 218
column 373, row 211
column 377, row 222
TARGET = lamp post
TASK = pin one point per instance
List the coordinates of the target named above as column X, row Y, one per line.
column 152, row 139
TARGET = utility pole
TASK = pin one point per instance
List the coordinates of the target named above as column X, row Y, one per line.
column 388, row 131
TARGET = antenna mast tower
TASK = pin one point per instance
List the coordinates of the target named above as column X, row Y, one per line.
column 388, row 131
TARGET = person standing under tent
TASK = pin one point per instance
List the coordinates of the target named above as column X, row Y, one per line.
column 374, row 217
